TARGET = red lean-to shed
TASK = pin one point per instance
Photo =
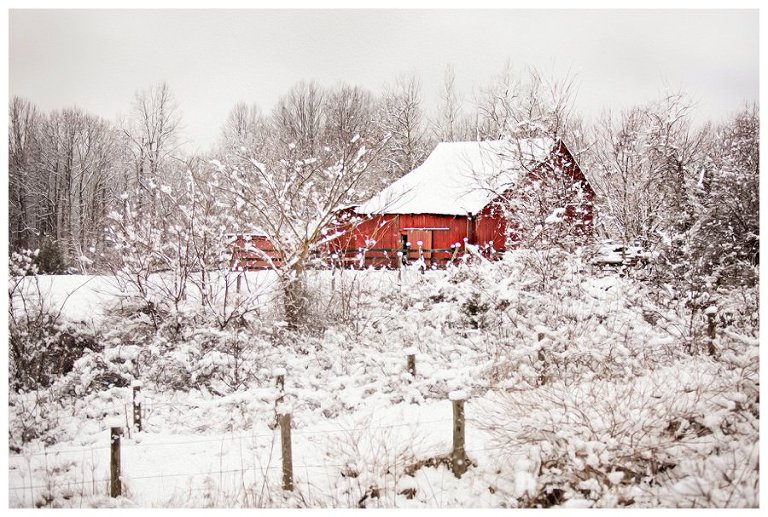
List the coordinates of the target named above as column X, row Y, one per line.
column 251, row 251
column 460, row 195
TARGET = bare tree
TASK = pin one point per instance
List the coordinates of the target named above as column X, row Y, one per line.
column 72, row 183
column 246, row 128
column 348, row 114
column 451, row 124
column 184, row 242
column 66, row 174
column 530, row 105
column 712, row 242
column 23, row 159
column 642, row 166
column 299, row 117
column 495, row 105
column 546, row 107
column 402, row 119
column 730, row 229
column 152, row 133
column 294, row 200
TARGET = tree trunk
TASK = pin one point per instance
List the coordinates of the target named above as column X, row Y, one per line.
column 295, row 296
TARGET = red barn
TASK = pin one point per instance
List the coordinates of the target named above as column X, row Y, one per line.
column 459, row 195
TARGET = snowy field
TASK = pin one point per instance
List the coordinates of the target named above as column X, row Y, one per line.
column 86, row 298
column 577, row 397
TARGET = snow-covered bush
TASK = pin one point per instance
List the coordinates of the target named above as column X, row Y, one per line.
column 51, row 258
column 586, row 383
column 44, row 349
column 371, row 466
column 33, row 415
column 174, row 348
column 42, row 346
column 186, row 351
column 352, row 302
column 680, row 435
column 532, row 330
column 221, row 361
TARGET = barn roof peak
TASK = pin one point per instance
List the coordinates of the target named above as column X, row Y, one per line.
column 460, row 178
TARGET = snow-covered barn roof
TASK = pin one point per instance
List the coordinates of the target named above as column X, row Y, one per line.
column 459, row 178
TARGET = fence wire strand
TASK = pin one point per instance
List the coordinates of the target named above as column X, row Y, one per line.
column 225, row 438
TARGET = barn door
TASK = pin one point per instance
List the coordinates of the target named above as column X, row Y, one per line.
column 425, row 236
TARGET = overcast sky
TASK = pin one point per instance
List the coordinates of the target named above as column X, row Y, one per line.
column 211, row 59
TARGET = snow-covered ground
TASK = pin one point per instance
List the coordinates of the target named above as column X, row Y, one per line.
column 79, row 297
column 87, row 298
column 571, row 386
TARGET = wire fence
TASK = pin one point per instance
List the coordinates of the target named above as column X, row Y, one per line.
column 280, row 431
column 229, row 437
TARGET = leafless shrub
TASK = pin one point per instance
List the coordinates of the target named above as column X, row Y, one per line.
column 633, row 442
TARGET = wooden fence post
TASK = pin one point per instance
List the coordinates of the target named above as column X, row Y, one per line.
column 285, row 443
column 459, row 458
column 279, row 374
column 137, row 405
column 115, row 485
column 410, row 354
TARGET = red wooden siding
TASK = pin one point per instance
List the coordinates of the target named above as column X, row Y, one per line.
column 446, row 230
column 578, row 213
column 491, row 227
column 373, row 234
column 381, row 238
column 243, row 249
